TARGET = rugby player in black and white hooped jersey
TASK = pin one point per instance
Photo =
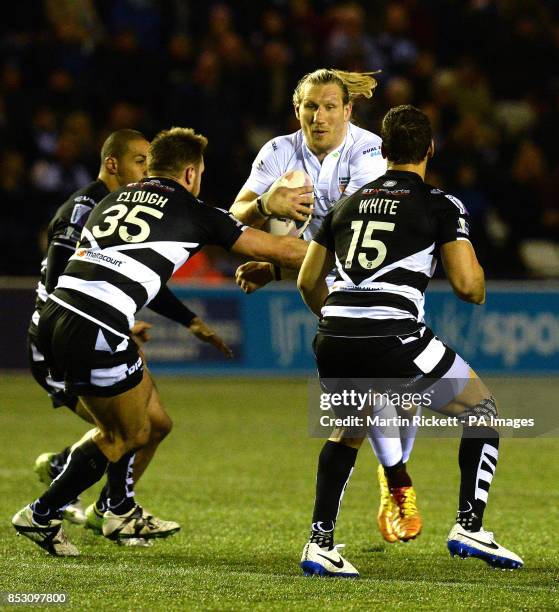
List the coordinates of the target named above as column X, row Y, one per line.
column 123, row 161
column 391, row 232
column 340, row 157
column 130, row 246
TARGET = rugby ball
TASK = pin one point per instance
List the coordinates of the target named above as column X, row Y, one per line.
column 289, row 227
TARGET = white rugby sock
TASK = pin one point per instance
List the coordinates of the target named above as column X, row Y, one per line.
column 385, row 439
column 408, row 434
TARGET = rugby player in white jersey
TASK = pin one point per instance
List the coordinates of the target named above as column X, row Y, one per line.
column 340, row 158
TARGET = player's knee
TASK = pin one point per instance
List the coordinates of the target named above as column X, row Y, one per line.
column 133, row 436
column 160, row 427
column 112, row 444
column 160, row 421
column 141, row 437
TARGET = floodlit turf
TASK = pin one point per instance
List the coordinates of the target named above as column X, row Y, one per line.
column 238, row 473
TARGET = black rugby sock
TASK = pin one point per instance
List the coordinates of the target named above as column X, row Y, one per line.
column 58, row 462
column 120, row 484
column 478, row 461
column 335, row 465
column 85, row 467
column 102, row 503
column 397, row 476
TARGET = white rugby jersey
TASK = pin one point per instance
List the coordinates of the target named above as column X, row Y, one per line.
column 356, row 162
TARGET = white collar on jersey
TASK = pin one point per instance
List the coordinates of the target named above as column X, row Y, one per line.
column 311, row 158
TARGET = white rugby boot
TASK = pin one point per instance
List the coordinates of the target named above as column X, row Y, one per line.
column 50, row 537
column 137, row 523
column 481, row 545
column 317, row 561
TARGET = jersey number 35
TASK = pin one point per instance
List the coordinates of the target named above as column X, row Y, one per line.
column 131, row 219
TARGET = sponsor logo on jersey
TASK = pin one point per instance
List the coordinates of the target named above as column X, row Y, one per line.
column 96, row 255
column 394, row 192
column 436, row 191
column 274, row 145
column 372, row 151
column 389, row 183
column 343, row 183
column 134, row 367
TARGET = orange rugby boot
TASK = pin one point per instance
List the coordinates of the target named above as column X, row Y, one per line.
column 388, row 510
column 407, row 522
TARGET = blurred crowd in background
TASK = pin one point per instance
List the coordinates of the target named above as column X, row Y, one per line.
column 484, row 70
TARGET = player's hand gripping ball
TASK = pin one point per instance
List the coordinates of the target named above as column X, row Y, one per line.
column 284, row 226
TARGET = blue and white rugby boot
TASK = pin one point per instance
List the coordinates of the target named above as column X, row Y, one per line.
column 317, row 561
column 481, row 545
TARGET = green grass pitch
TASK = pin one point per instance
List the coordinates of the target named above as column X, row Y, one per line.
column 238, row 473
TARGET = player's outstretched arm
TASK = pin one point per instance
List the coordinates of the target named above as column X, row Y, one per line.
column 254, row 275
column 168, row 305
column 283, row 251
column 205, row 333
column 463, row 271
column 311, row 282
column 140, row 332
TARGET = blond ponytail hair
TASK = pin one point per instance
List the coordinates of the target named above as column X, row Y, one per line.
column 352, row 84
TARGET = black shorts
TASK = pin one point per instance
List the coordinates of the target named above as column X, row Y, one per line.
column 418, row 354
column 41, row 371
column 410, row 371
column 88, row 357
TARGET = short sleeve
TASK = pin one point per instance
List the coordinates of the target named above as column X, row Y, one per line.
column 325, row 236
column 450, row 217
column 218, row 227
column 366, row 165
column 265, row 169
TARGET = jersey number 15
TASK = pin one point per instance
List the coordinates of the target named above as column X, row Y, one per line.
column 367, row 242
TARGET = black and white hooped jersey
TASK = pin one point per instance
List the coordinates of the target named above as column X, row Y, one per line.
column 66, row 226
column 385, row 238
column 132, row 243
